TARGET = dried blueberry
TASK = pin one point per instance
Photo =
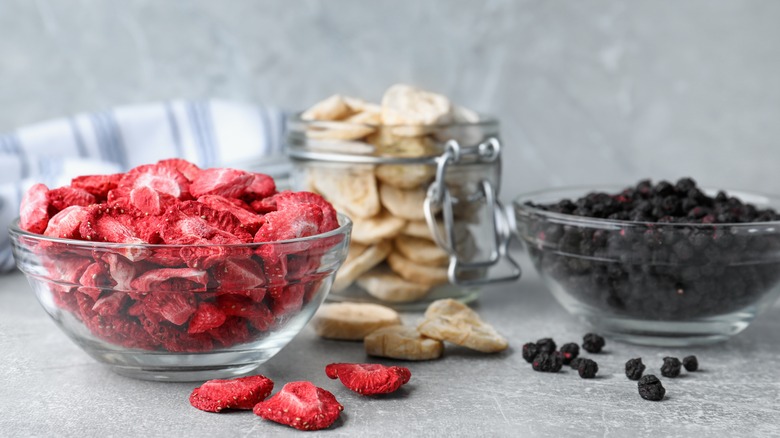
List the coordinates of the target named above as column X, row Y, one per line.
column 592, row 343
column 635, row 368
column 530, row 350
column 569, row 352
column 671, row 367
column 588, row 368
column 547, row 362
column 545, row 345
column 575, row 363
column 650, row 388
column 691, row 363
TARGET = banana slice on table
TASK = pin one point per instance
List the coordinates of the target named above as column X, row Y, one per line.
column 401, row 342
column 352, row 321
column 452, row 321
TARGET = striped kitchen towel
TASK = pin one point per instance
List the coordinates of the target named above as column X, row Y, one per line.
column 208, row 133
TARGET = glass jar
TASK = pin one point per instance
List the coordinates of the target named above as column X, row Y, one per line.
column 423, row 200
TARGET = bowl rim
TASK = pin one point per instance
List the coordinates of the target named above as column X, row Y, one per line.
column 519, row 205
column 345, row 226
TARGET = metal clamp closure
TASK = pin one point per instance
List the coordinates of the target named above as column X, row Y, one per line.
column 440, row 200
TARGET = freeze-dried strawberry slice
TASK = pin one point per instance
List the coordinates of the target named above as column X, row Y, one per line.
column 206, row 317
column 34, row 210
column 189, row 170
column 257, row 313
column 67, row 270
column 176, row 307
column 189, row 220
column 163, row 179
column 121, row 270
column 230, row 183
column 369, row 378
column 240, row 393
column 102, row 227
column 250, row 220
column 173, row 338
column 239, row 274
column 262, row 186
column 150, row 201
column 67, row 196
column 109, row 304
column 283, row 200
column 286, row 299
column 93, row 279
column 234, row 331
column 295, row 221
column 171, row 279
column 97, row 185
column 66, row 223
column 301, row 405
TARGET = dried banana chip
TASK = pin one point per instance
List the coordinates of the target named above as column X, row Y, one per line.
column 352, row 321
column 452, row 321
column 333, row 108
column 400, row 342
column 407, row 204
column 375, row 229
column 414, row 108
column 384, row 284
column 415, row 272
column 421, row 251
column 361, row 263
column 353, row 189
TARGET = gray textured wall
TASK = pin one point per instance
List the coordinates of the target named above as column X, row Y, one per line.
column 588, row 91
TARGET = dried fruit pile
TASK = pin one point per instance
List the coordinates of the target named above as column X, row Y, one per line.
column 301, row 405
column 203, row 283
column 685, row 256
column 393, row 256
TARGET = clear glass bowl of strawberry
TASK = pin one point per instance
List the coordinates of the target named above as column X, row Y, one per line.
column 164, row 280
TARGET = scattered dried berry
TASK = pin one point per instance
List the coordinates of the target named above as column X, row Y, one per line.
column 650, row 388
column 691, row 363
column 530, row 350
column 240, row 393
column 546, row 345
column 570, row 352
column 575, row 363
column 548, row 362
column 588, row 368
column 369, row 378
column 592, row 343
column 301, row 405
column 635, row 368
column 671, row 367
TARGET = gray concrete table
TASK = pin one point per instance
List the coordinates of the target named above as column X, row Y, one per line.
column 49, row 387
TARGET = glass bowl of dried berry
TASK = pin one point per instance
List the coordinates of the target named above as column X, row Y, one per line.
column 171, row 272
column 657, row 264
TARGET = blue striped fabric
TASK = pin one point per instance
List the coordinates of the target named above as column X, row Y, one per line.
column 209, row 133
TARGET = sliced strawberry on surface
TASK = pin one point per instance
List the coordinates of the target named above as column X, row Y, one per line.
column 262, row 186
column 248, row 218
column 301, row 405
column 163, row 179
column 171, row 279
column 239, row 274
column 232, row 332
column 34, row 209
column 97, row 185
column 67, row 223
column 63, row 197
column 369, row 378
column 206, row 317
column 189, row 170
column 240, row 393
column 230, row 183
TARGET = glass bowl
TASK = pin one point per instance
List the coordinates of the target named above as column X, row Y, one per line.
column 665, row 284
column 181, row 313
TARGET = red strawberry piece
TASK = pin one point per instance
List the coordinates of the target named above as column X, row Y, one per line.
column 262, row 186
column 301, row 405
column 121, row 331
column 174, row 339
column 67, row 269
column 121, row 270
column 257, row 313
column 66, row 223
column 286, row 299
column 234, row 331
column 248, row 218
column 240, row 393
column 34, row 210
column 239, row 274
column 283, row 200
column 97, row 185
column 255, row 295
column 163, row 179
column 64, row 297
column 171, row 279
column 230, row 183
column 93, row 280
column 190, row 220
column 296, row 221
column 109, row 304
column 206, row 317
column 369, row 378
column 67, row 196
column 150, row 201
column 189, row 170
column 176, row 307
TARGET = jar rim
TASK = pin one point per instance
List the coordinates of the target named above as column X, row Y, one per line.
column 484, row 121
